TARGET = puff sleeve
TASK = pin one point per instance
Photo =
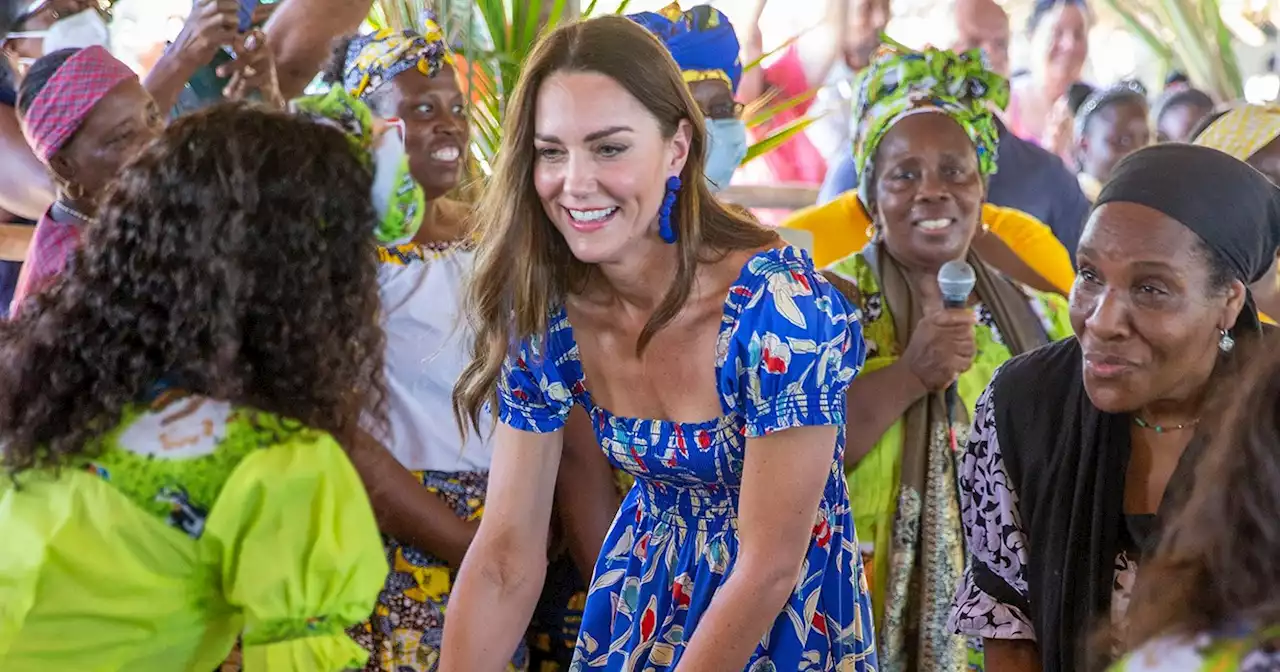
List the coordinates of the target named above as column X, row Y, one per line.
column 294, row 543
column 789, row 346
column 532, row 396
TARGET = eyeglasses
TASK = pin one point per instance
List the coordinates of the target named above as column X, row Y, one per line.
column 724, row 110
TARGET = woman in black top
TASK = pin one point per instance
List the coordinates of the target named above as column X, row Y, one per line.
column 1075, row 444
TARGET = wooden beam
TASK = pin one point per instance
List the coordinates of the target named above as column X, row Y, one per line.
column 14, row 241
column 782, row 197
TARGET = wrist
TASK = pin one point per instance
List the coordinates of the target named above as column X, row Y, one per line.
column 911, row 382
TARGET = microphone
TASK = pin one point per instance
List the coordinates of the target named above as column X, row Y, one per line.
column 956, row 280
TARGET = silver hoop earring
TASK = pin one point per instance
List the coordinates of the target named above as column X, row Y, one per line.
column 1225, row 342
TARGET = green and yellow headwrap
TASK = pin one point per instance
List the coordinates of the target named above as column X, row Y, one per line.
column 901, row 82
column 375, row 59
column 397, row 197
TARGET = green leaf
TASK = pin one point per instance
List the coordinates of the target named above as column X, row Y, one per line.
column 591, row 8
column 778, row 137
column 770, row 112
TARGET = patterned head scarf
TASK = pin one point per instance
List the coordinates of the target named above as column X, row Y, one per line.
column 375, row 59
column 1243, row 131
column 701, row 40
column 900, row 83
column 397, row 197
column 68, row 98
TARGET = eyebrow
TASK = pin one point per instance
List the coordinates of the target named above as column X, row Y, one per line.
column 1145, row 264
column 593, row 136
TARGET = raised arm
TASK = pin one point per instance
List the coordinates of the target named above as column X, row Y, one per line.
column 753, row 84
column 211, row 25
column 301, row 35
column 502, row 576
column 26, row 190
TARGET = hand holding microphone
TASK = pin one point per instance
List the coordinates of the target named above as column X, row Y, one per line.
column 942, row 346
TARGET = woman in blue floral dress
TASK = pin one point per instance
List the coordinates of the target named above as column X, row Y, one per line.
column 712, row 361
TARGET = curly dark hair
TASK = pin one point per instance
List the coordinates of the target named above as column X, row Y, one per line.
column 232, row 259
column 1216, row 565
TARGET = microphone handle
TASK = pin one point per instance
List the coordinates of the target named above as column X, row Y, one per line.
column 952, row 395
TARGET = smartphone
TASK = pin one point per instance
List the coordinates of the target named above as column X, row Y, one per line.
column 205, row 87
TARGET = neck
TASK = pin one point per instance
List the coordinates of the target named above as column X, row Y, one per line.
column 1172, row 412
column 68, row 210
column 641, row 279
column 437, row 226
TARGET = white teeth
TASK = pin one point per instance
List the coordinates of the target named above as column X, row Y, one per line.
column 934, row 224
column 590, row 215
column 446, row 154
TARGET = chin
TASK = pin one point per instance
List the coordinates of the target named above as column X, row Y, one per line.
column 1111, row 396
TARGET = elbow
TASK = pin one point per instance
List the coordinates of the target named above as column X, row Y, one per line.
column 773, row 576
column 507, row 562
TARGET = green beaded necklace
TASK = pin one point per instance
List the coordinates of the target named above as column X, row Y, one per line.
column 1161, row 429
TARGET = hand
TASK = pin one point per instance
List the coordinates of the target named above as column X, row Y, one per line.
column 942, row 347
column 254, row 69
column 1059, row 131
column 211, row 25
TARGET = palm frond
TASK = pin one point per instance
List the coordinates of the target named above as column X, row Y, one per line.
column 778, row 137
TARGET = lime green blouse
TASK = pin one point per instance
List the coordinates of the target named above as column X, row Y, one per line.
column 193, row 523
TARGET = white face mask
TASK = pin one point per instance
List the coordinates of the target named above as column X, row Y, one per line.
column 80, row 30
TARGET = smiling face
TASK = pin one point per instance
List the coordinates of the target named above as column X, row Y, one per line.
column 1145, row 308
column 117, row 128
column 601, row 164
column 928, row 191
column 436, row 128
column 1113, row 132
column 1061, row 40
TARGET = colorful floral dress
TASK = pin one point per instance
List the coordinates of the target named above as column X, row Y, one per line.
column 194, row 523
column 787, row 349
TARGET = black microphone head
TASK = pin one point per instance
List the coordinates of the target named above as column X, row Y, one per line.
column 956, row 280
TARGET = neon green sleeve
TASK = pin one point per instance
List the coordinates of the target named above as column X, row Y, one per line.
column 294, row 541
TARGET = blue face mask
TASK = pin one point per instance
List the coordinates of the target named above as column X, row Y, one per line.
column 726, row 147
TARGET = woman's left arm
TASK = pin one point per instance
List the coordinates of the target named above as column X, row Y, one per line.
column 782, row 483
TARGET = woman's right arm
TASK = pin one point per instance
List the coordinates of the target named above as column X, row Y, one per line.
column 941, row 348
column 501, row 578
column 27, row 190
column 406, row 510
column 876, row 401
column 1010, row 655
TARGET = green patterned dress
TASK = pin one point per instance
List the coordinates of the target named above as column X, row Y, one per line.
column 915, row 532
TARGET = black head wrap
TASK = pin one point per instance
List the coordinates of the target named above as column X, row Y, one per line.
column 1232, row 207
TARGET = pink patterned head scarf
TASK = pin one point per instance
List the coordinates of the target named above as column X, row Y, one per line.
column 66, row 100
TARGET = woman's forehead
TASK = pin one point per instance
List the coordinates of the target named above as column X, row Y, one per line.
column 573, row 105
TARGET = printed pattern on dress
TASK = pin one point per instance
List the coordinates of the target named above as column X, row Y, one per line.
column 787, row 349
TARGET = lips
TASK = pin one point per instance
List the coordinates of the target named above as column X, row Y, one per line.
column 448, row 153
column 590, row 219
column 1107, row 366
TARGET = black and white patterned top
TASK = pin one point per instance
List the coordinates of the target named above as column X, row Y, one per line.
column 997, row 541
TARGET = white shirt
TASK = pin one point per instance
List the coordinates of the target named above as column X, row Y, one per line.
column 428, row 344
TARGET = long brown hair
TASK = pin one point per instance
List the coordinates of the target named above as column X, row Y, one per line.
column 1216, row 566
column 523, row 267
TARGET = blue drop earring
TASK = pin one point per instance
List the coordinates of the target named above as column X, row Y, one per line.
column 665, row 228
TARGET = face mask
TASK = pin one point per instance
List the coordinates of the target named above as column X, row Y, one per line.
column 726, row 147
column 80, row 30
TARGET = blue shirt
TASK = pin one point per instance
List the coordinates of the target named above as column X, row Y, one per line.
column 8, row 269
column 1028, row 178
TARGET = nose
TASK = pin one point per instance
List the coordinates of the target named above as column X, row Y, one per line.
column 932, row 187
column 579, row 175
column 1108, row 317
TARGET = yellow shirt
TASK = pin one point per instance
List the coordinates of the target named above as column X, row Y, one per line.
column 839, row 229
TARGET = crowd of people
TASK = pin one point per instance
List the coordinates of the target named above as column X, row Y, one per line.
column 275, row 396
